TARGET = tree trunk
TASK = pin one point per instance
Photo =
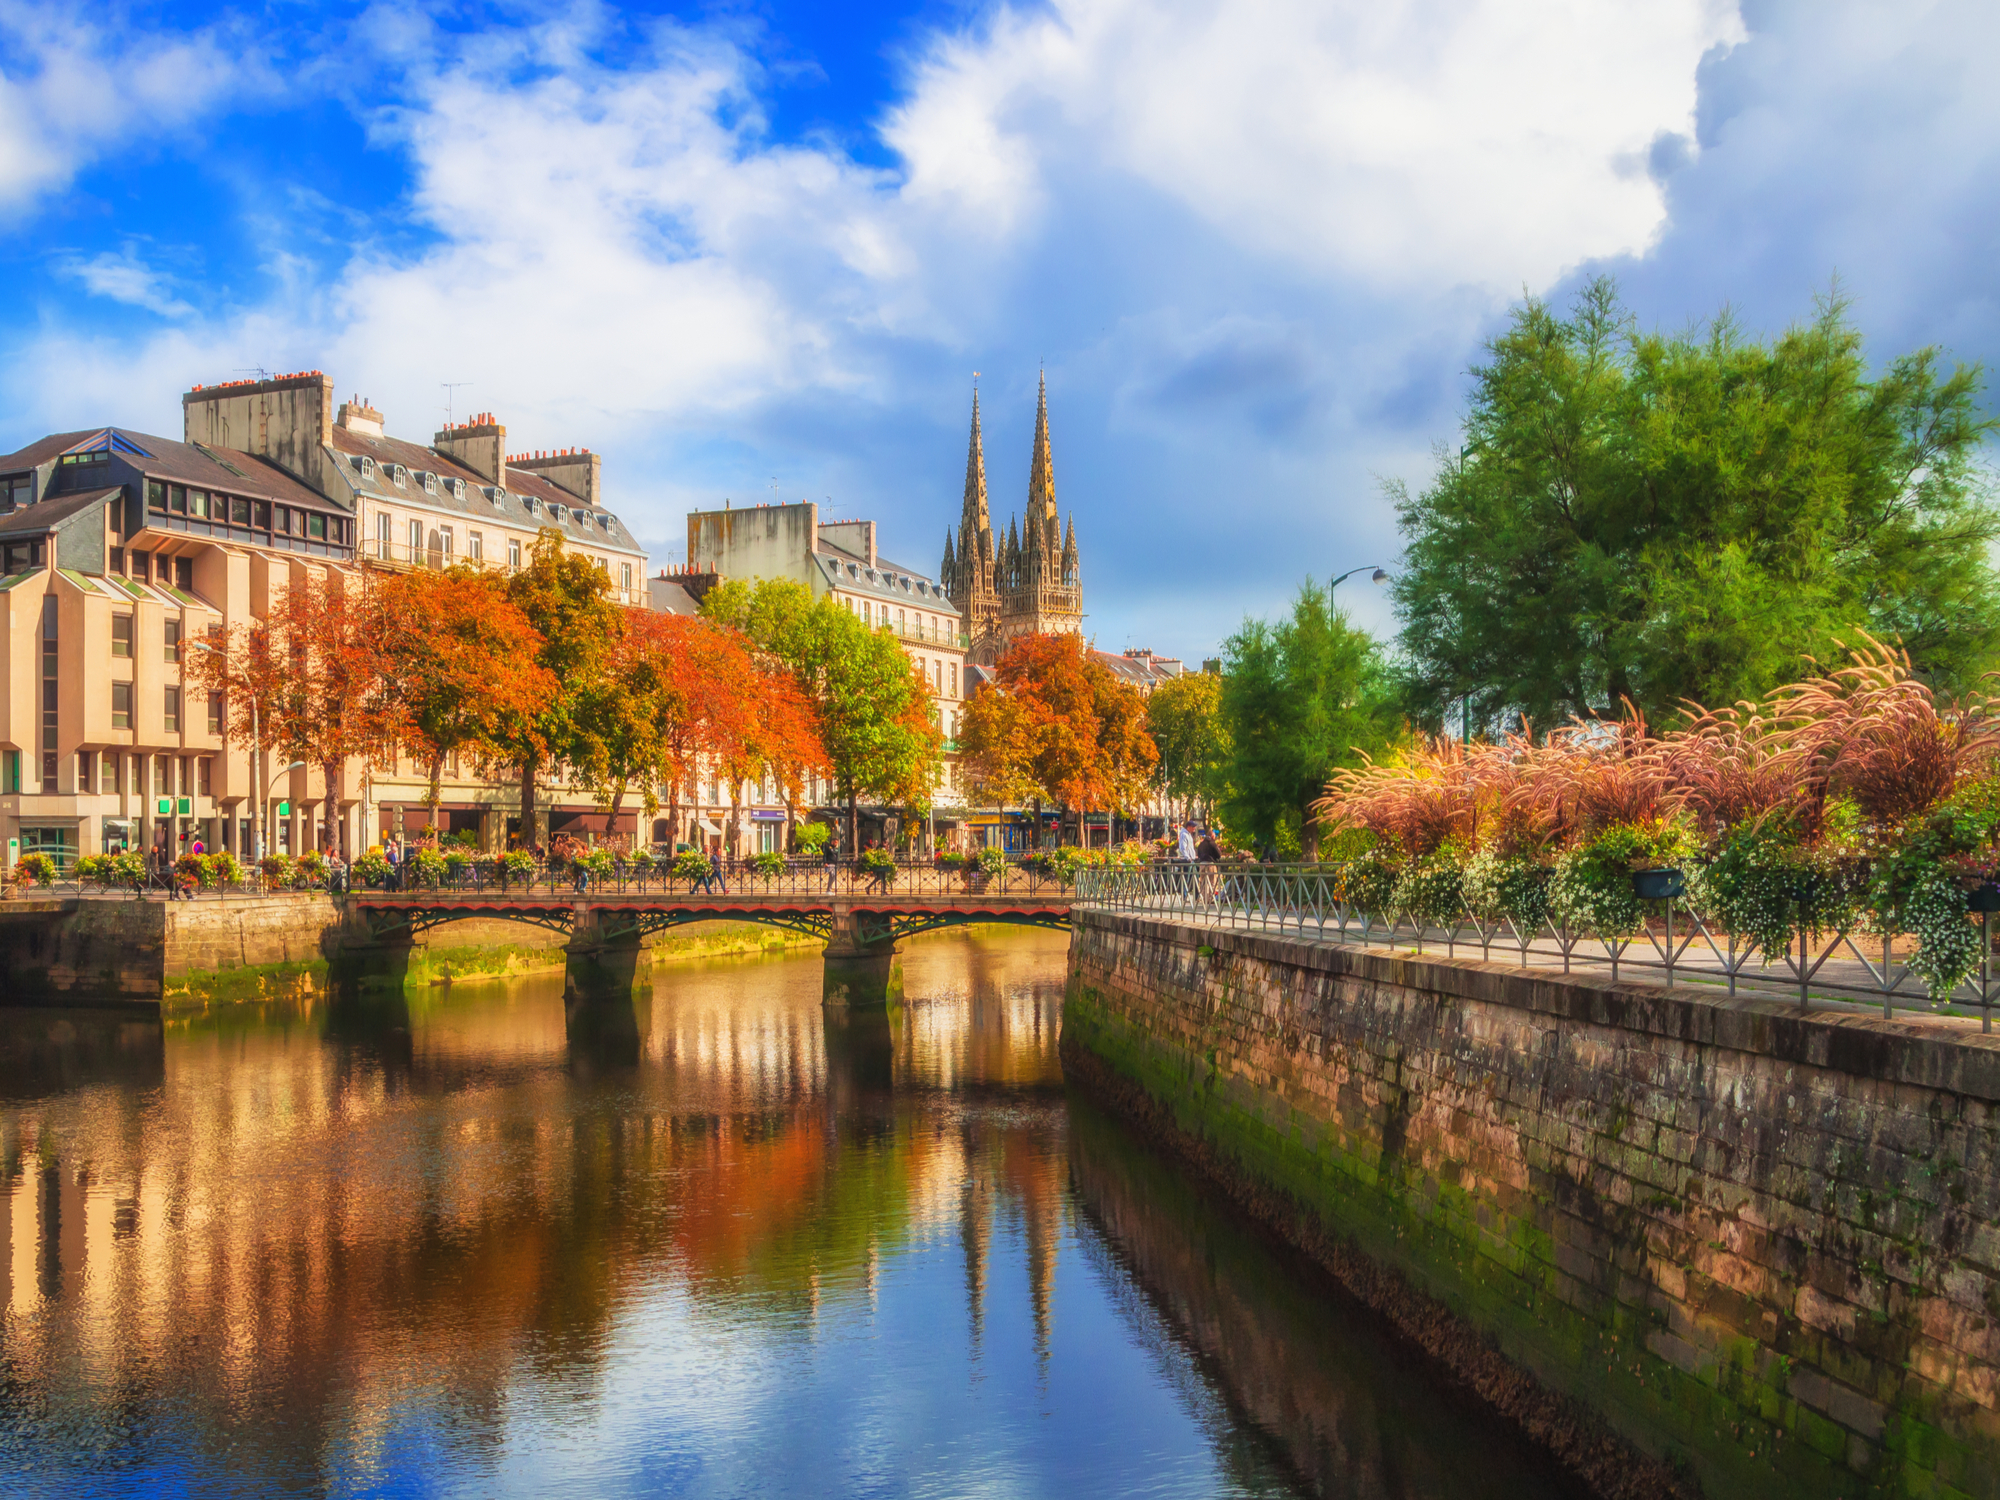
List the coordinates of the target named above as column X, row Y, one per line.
column 1309, row 837
column 674, row 814
column 331, row 771
column 611, row 819
column 528, row 802
column 735, row 814
column 853, row 825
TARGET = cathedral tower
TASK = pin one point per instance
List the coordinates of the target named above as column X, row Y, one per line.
column 1026, row 582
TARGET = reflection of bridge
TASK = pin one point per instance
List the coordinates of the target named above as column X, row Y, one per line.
column 606, row 932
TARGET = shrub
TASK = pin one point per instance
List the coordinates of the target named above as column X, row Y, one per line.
column 690, row 865
column 128, row 869
column 877, row 860
column 91, row 868
column 1765, row 886
column 1064, row 862
column 811, row 838
column 769, row 863
column 427, row 866
column 517, row 865
column 992, row 859
column 223, row 869
column 1507, row 888
column 35, row 867
column 950, row 858
column 1592, row 888
column 1368, row 883
column 1432, row 889
column 277, row 871
column 372, row 869
column 599, row 862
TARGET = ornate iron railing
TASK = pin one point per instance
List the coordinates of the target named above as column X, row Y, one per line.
column 1675, row 943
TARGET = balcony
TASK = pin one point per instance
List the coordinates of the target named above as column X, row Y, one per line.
column 400, row 557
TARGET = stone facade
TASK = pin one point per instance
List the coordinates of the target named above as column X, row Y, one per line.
column 1027, row 582
column 1756, row 1248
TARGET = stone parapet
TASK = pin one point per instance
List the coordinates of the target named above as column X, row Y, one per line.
column 1732, row 1245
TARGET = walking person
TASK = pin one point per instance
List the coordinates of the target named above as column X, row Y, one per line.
column 830, row 853
column 1208, row 855
column 715, row 869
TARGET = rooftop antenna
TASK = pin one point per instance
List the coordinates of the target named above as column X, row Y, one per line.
column 450, row 392
column 257, row 370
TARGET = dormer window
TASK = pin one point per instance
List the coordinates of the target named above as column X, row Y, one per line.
column 430, row 483
column 528, row 504
column 458, row 489
column 399, row 475
column 497, row 495
column 558, row 513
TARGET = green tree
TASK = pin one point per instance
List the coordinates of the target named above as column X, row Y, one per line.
column 1184, row 717
column 1299, row 699
column 1690, row 517
column 870, row 702
column 565, row 598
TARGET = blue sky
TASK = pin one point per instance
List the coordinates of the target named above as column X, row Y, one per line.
column 758, row 251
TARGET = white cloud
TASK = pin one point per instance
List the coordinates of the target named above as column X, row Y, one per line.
column 1428, row 143
column 123, row 277
column 73, row 86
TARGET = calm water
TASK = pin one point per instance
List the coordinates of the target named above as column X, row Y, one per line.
column 708, row 1244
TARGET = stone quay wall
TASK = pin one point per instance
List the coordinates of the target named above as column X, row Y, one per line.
column 73, row 950
column 1692, row 1243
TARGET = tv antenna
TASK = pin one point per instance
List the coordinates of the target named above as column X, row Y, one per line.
column 451, row 388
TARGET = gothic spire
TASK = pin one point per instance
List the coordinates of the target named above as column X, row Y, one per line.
column 1069, row 551
column 1041, row 469
column 948, row 570
column 973, row 522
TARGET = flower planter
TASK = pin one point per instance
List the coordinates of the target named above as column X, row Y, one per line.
column 1658, row 885
column 1984, row 897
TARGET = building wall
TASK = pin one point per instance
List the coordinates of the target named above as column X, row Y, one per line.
column 287, row 420
column 1759, row 1243
column 759, row 542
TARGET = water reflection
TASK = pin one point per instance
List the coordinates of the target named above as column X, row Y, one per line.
column 474, row 1240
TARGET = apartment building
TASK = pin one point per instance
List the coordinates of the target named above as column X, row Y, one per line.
column 121, row 551
column 839, row 560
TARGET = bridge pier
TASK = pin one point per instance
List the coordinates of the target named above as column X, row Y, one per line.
column 602, row 961
column 363, row 959
column 859, row 971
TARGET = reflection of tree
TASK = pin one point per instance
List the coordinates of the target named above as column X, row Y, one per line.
column 256, row 1240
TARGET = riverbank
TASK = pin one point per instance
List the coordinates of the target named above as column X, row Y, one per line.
column 1686, row 1242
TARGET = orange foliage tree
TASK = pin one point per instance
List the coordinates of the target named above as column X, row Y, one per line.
column 456, row 659
column 1055, row 724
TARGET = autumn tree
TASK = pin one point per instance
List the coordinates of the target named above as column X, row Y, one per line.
column 565, row 599
column 869, row 700
column 456, row 661
column 1075, row 731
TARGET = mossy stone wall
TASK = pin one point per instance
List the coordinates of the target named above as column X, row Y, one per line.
column 1761, row 1245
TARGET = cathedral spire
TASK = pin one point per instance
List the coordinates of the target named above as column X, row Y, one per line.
column 973, row 522
column 1041, row 469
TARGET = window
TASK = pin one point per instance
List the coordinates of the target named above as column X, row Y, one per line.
column 121, row 635
column 382, row 525
column 184, row 574
column 239, row 511
column 121, row 706
column 172, row 652
column 160, row 776
column 513, row 552
column 416, row 540
column 260, row 514
column 281, row 519
column 177, row 499
column 604, row 566
column 172, row 709
column 197, row 502
column 475, row 547
column 899, row 622
column 954, row 680
column 625, row 577
column 315, row 525
column 108, row 766
column 156, row 495
column 83, row 771
column 430, row 483
column 142, row 564
column 214, row 713
column 118, row 560
column 444, row 538
column 10, row 771
column 205, row 776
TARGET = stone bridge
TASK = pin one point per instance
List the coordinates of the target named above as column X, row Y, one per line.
column 607, row 931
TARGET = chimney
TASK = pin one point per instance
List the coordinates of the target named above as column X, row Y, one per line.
column 480, row 445
column 287, row 419
column 358, row 416
column 576, row 470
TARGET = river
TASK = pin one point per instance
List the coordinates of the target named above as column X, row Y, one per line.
column 707, row 1244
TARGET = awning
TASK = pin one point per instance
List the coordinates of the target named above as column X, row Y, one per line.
column 708, row 828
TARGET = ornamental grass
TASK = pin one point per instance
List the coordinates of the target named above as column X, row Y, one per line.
column 1852, row 799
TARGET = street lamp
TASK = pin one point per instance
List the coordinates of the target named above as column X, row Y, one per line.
column 1379, row 576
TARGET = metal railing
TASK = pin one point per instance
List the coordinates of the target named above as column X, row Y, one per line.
column 484, row 874
column 1674, row 943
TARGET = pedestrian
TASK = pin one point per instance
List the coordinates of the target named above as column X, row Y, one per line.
column 1184, row 844
column 715, row 868
column 830, row 853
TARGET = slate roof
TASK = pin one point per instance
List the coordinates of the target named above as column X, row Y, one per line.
column 477, row 500
column 32, row 521
column 886, row 580
column 43, row 449
column 198, row 464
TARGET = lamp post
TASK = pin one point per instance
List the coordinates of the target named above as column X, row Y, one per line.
column 1379, row 576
